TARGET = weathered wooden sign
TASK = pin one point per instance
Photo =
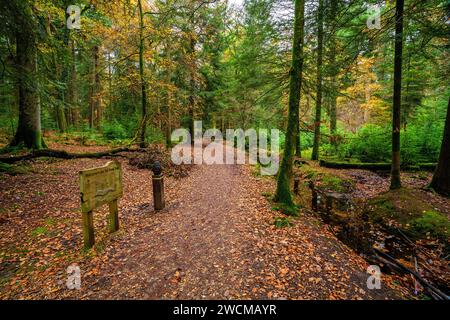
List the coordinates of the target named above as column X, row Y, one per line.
column 100, row 186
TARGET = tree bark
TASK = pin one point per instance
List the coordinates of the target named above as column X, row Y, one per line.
column 72, row 91
column 29, row 127
column 333, row 85
column 192, row 87
column 93, row 87
column 318, row 118
column 283, row 194
column 441, row 177
column 143, row 129
column 396, row 115
column 168, row 97
column 98, row 101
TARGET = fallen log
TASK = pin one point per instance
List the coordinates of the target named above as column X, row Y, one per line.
column 61, row 154
column 374, row 166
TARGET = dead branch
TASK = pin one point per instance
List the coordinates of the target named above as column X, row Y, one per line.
column 434, row 292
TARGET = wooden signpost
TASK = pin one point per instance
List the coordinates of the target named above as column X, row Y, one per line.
column 100, row 186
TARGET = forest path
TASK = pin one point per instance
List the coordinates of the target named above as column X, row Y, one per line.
column 216, row 240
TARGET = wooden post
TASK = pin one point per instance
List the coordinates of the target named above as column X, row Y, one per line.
column 158, row 192
column 113, row 216
column 88, row 229
column 329, row 203
column 158, row 186
column 313, row 196
column 296, row 182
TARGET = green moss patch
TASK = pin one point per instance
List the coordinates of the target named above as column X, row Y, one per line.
column 325, row 180
column 432, row 223
column 411, row 211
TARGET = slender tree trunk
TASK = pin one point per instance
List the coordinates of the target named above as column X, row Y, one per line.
column 396, row 115
column 29, row 127
column 61, row 119
column 192, row 88
column 441, row 177
column 333, row 85
column 141, row 76
column 168, row 103
column 318, row 118
column 98, row 91
column 283, row 192
column 169, row 123
column 93, row 87
column 112, row 110
column 62, row 113
column 298, row 142
column 72, row 94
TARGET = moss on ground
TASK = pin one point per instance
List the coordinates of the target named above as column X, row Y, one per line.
column 411, row 211
column 325, row 180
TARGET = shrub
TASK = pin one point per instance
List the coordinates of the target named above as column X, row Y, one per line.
column 154, row 135
column 114, row 131
column 372, row 143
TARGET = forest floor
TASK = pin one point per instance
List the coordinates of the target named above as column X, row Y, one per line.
column 216, row 239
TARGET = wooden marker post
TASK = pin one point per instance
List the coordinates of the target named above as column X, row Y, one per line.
column 100, row 186
column 314, row 200
column 296, row 183
column 158, row 187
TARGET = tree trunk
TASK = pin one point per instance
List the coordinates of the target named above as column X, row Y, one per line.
column 333, row 85
column 93, row 88
column 318, row 118
column 72, row 91
column 192, row 88
column 29, row 127
column 141, row 76
column 61, row 112
column 395, row 171
column 169, row 104
column 441, row 177
column 98, row 91
column 283, row 192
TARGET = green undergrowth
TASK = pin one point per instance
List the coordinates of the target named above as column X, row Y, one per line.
column 282, row 222
column 14, row 170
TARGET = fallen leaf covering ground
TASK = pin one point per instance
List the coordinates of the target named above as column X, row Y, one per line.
column 216, row 239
